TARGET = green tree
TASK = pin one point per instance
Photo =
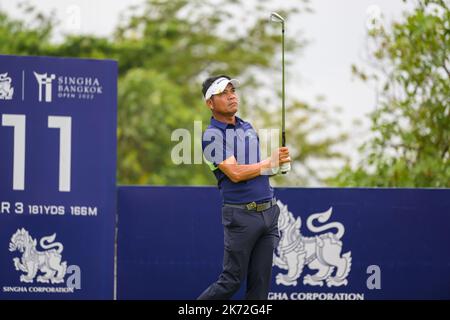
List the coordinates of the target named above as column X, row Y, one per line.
column 211, row 44
column 21, row 38
column 409, row 144
column 165, row 49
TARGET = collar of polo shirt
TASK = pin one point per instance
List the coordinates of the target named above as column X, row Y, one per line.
column 219, row 85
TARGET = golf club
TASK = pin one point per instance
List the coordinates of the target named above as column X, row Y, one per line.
column 275, row 17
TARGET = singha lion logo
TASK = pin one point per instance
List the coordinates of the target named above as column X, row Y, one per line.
column 321, row 253
column 32, row 260
column 6, row 91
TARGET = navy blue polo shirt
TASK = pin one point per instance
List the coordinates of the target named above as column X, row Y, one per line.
column 221, row 141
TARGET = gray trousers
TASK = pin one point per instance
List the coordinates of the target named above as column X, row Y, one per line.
column 250, row 238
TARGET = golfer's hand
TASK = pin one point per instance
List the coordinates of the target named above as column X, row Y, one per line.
column 279, row 156
column 284, row 155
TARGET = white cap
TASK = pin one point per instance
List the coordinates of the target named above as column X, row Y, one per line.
column 219, row 85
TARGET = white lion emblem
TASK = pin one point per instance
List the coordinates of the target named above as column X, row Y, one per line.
column 6, row 91
column 32, row 261
column 321, row 253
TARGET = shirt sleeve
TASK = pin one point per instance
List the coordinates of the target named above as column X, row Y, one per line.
column 215, row 148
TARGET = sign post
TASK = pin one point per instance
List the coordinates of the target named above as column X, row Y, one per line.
column 57, row 177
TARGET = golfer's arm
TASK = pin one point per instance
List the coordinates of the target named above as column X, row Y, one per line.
column 242, row 172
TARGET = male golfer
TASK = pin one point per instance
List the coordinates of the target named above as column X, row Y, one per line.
column 249, row 211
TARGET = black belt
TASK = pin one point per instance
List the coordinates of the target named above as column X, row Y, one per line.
column 253, row 206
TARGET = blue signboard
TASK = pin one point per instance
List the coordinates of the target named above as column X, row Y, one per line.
column 336, row 244
column 57, row 177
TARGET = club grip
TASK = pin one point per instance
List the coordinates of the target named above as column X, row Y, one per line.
column 285, row 167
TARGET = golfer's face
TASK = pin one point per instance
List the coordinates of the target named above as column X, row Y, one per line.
column 226, row 102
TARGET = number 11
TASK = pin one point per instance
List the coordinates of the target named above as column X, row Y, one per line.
column 64, row 124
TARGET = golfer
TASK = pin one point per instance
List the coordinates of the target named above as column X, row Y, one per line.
column 249, row 211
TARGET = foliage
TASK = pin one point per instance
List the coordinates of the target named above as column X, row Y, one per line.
column 165, row 49
column 409, row 146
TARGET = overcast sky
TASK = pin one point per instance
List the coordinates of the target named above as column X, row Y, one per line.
column 336, row 30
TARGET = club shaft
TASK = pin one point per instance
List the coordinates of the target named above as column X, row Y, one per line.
column 283, row 110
